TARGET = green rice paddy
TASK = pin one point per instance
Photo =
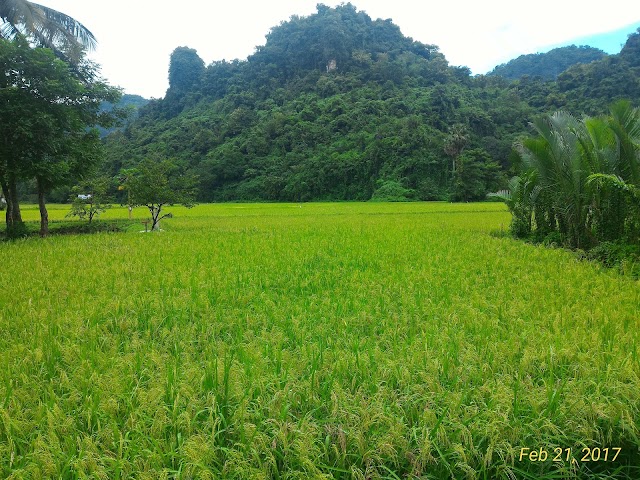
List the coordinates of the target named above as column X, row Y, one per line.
column 292, row 341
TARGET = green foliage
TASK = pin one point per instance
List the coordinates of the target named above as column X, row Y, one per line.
column 591, row 88
column 630, row 52
column 155, row 184
column 126, row 109
column 49, row 111
column 392, row 191
column 16, row 230
column 282, row 126
column 185, row 70
column 520, row 198
column 475, row 176
column 285, row 125
column 620, row 255
column 548, row 65
column 580, row 180
column 89, row 199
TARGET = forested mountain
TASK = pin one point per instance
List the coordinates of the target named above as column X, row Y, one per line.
column 131, row 103
column 590, row 88
column 547, row 65
column 135, row 101
column 337, row 106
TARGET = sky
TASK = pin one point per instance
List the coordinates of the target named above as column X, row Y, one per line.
column 136, row 37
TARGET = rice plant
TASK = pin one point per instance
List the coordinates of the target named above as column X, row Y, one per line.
column 314, row 341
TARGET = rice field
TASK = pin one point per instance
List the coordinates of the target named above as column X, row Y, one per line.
column 315, row 341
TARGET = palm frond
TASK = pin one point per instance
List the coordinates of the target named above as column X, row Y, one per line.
column 46, row 27
column 504, row 195
column 625, row 123
column 61, row 26
column 19, row 17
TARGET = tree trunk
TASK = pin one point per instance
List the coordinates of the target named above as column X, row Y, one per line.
column 16, row 215
column 15, row 226
column 155, row 217
column 5, row 195
column 44, row 215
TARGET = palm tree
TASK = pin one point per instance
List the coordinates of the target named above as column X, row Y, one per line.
column 558, row 157
column 625, row 123
column 521, row 198
column 580, row 178
column 45, row 27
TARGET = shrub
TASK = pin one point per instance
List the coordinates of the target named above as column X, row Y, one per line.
column 392, row 191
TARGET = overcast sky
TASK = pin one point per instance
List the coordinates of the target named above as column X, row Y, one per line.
column 136, row 37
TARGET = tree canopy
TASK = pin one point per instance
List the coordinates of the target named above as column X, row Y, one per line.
column 46, row 126
column 155, row 184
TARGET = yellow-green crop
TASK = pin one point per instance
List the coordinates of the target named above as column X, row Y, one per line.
column 314, row 341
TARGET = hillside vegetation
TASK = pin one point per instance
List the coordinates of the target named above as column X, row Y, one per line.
column 548, row 65
column 337, row 106
column 131, row 103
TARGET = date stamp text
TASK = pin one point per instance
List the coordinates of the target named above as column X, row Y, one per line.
column 580, row 455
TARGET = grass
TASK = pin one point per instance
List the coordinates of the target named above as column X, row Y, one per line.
column 313, row 341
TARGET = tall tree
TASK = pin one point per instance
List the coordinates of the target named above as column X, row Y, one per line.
column 455, row 143
column 46, row 126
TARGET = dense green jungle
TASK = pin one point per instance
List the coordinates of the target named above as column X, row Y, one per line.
column 337, row 106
